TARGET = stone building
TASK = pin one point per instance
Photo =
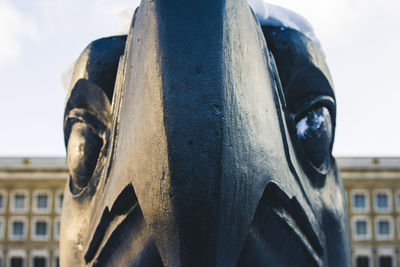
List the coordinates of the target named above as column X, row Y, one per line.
column 31, row 194
column 373, row 197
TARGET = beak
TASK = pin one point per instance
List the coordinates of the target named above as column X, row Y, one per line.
column 200, row 133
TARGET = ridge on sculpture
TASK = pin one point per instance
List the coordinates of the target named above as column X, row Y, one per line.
column 203, row 138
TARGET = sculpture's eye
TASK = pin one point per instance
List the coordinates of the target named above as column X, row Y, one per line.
column 83, row 150
column 87, row 121
column 315, row 132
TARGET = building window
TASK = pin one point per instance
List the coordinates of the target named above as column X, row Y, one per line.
column 359, row 200
column 40, row 231
column 39, row 258
column 384, row 228
column 398, row 227
column 39, row 261
column 41, row 228
column 16, row 258
column 57, row 228
column 56, row 261
column 382, row 200
column 16, row 261
column 41, row 201
column 59, row 201
column 18, row 228
column 361, row 228
column 362, row 256
column 1, row 230
column 385, row 256
column 398, row 201
column 19, row 201
column 3, row 201
column 385, row 261
column 362, row 261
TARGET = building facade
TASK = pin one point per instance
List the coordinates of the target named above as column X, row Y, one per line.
column 372, row 187
column 31, row 195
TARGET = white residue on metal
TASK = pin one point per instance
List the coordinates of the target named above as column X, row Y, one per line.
column 311, row 123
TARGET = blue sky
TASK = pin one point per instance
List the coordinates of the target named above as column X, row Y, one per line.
column 39, row 41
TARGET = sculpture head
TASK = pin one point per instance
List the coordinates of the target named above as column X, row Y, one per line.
column 212, row 149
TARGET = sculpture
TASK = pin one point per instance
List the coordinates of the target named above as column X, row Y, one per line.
column 192, row 143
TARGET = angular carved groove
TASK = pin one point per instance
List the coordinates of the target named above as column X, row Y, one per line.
column 125, row 202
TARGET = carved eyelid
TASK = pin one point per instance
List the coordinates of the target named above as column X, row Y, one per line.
column 78, row 115
column 304, row 106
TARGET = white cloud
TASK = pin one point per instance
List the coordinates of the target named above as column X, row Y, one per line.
column 359, row 37
column 324, row 16
column 15, row 28
column 123, row 13
column 124, row 20
column 117, row 17
column 65, row 77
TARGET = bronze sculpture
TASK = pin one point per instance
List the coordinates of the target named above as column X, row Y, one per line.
column 190, row 142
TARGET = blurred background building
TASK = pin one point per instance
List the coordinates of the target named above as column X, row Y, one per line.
column 31, row 196
column 373, row 197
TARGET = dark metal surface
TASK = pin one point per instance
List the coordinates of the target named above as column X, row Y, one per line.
column 210, row 150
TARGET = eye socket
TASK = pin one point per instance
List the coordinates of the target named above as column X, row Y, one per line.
column 87, row 121
column 82, row 153
column 314, row 130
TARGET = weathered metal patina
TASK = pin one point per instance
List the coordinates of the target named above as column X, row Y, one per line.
column 191, row 142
